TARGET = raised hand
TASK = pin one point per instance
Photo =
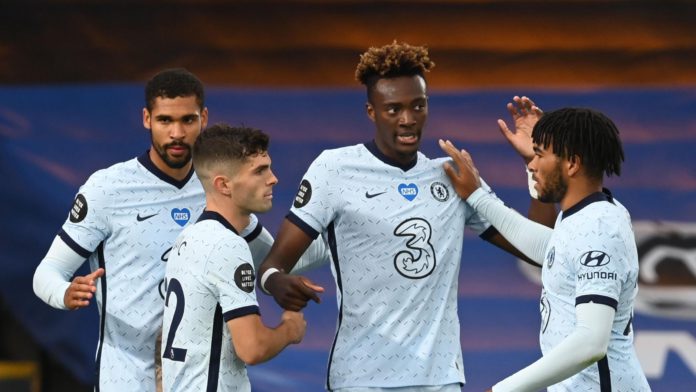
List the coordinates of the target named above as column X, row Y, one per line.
column 524, row 115
column 81, row 290
column 292, row 292
column 465, row 178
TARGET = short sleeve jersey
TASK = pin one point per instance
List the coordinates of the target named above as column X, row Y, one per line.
column 125, row 219
column 395, row 235
column 210, row 280
column 592, row 257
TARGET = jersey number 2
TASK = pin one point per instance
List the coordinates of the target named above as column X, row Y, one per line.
column 170, row 352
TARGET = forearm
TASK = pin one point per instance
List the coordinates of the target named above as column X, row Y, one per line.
column 543, row 213
column 274, row 341
column 315, row 256
column 260, row 246
column 585, row 346
column 287, row 249
column 256, row 343
column 528, row 237
column 52, row 276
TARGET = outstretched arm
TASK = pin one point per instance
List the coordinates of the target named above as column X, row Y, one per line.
column 521, row 234
column 586, row 345
column 291, row 292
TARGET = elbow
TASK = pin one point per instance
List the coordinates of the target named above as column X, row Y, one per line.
column 251, row 351
column 250, row 357
column 36, row 282
column 594, row 351
column 598, row 354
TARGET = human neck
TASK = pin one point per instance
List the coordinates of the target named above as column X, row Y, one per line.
column 579, row 191
column 237, row 218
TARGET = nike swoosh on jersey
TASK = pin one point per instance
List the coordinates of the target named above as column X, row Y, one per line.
column 146, row 217
column 370, row 196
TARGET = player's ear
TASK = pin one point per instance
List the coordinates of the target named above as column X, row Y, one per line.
column 146, row 118
column 370, row 111
column 574, row 163
column 204, row 118
column 222, row 185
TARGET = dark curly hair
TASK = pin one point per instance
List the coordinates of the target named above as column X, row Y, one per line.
column 390, row 61
column 585, row 133
column 173, row 83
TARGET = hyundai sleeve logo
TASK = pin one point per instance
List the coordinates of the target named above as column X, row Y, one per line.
column 594, row 258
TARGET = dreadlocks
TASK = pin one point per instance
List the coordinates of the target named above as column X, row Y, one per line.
column 585, row 133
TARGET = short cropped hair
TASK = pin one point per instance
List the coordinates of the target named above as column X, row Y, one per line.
column 173, row 83
column 221, row 143
column 391, row 61
column 585, row 133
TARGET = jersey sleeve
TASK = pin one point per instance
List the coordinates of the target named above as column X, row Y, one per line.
column 600, row 264
column 87, row 224
column 475, row 221
column 52, row 276
column 231, row 276
column 314, row 206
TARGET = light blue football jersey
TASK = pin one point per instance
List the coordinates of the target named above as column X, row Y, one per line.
column 592, row 257
column 125, row 219
column 395, row 235
column 210, row 280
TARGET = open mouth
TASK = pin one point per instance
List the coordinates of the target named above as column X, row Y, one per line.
column 407, row 138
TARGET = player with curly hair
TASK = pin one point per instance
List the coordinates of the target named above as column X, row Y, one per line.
column 395, row 227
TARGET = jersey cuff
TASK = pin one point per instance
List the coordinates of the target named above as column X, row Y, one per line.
column 309, row 230
column 241, row 312
column 73, row 245
column 255, row 233
column 598, row 299
column 488, row 233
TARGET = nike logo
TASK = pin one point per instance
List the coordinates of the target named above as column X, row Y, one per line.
column 146, row 217
column 371, row 195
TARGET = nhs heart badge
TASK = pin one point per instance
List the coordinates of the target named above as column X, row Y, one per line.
column 409, row 192
column 181, row 216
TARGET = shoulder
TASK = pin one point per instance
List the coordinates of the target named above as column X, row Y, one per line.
column 117, row 171
column 605, row 216
column 601, row 224
column 214, row 240
column 220, row 239
column 337, row 154
column 103, row 184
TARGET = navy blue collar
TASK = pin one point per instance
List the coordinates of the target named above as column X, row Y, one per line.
column 372, row 147
column 212, row 215
column 604, row 195
column 150, row 166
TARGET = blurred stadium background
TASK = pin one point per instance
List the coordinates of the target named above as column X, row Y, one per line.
column 71, row 77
